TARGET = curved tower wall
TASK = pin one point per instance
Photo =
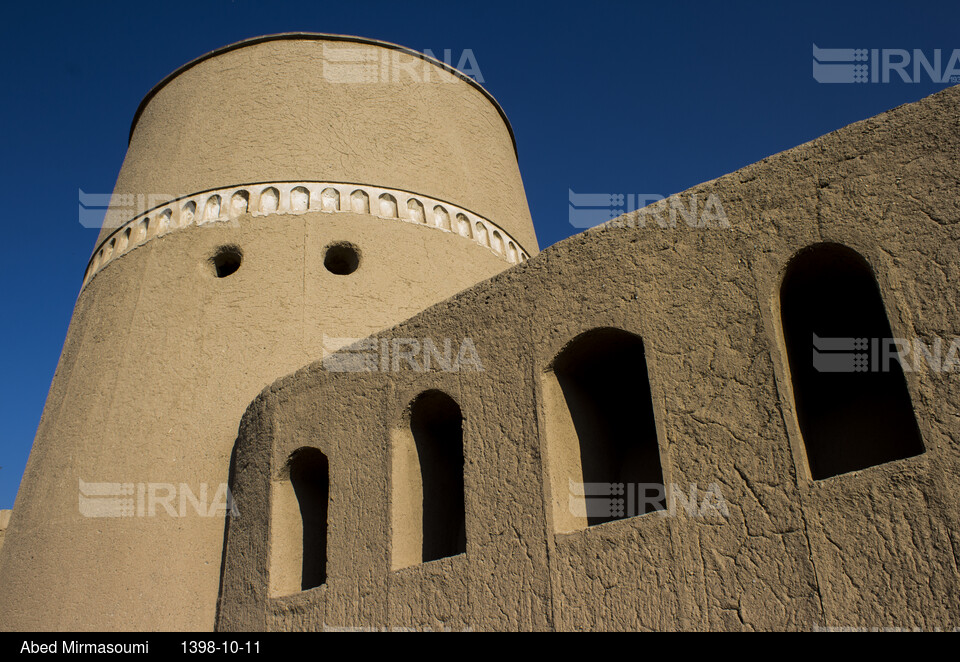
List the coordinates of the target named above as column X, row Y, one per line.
column 246, row 148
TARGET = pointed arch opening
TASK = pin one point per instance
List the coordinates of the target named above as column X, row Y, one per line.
column 851, row 399
column 299, row 198
column 415, row 209
column 330, row 199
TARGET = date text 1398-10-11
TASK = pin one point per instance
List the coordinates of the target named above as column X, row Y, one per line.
column 225, row 646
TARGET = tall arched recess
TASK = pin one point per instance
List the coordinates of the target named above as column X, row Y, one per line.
column 298, row 546
column 852, row 402
column 428, row 511
column 601, row 431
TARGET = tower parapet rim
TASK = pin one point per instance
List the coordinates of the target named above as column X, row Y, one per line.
column 319, row 36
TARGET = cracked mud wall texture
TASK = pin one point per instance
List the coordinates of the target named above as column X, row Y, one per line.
column 162, row 358
column 875, row 548
column 4, row 522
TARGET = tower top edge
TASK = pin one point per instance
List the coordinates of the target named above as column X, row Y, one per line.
column 317, row 36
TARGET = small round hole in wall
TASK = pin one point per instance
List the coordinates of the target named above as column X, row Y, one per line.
column 341, row 258
column 226, row 260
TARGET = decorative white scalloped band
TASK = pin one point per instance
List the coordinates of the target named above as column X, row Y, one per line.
column 228, row 204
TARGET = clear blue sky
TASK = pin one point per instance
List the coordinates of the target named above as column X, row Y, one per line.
column 620, row 97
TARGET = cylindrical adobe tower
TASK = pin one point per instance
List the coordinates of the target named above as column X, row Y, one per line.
column 278, row 196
